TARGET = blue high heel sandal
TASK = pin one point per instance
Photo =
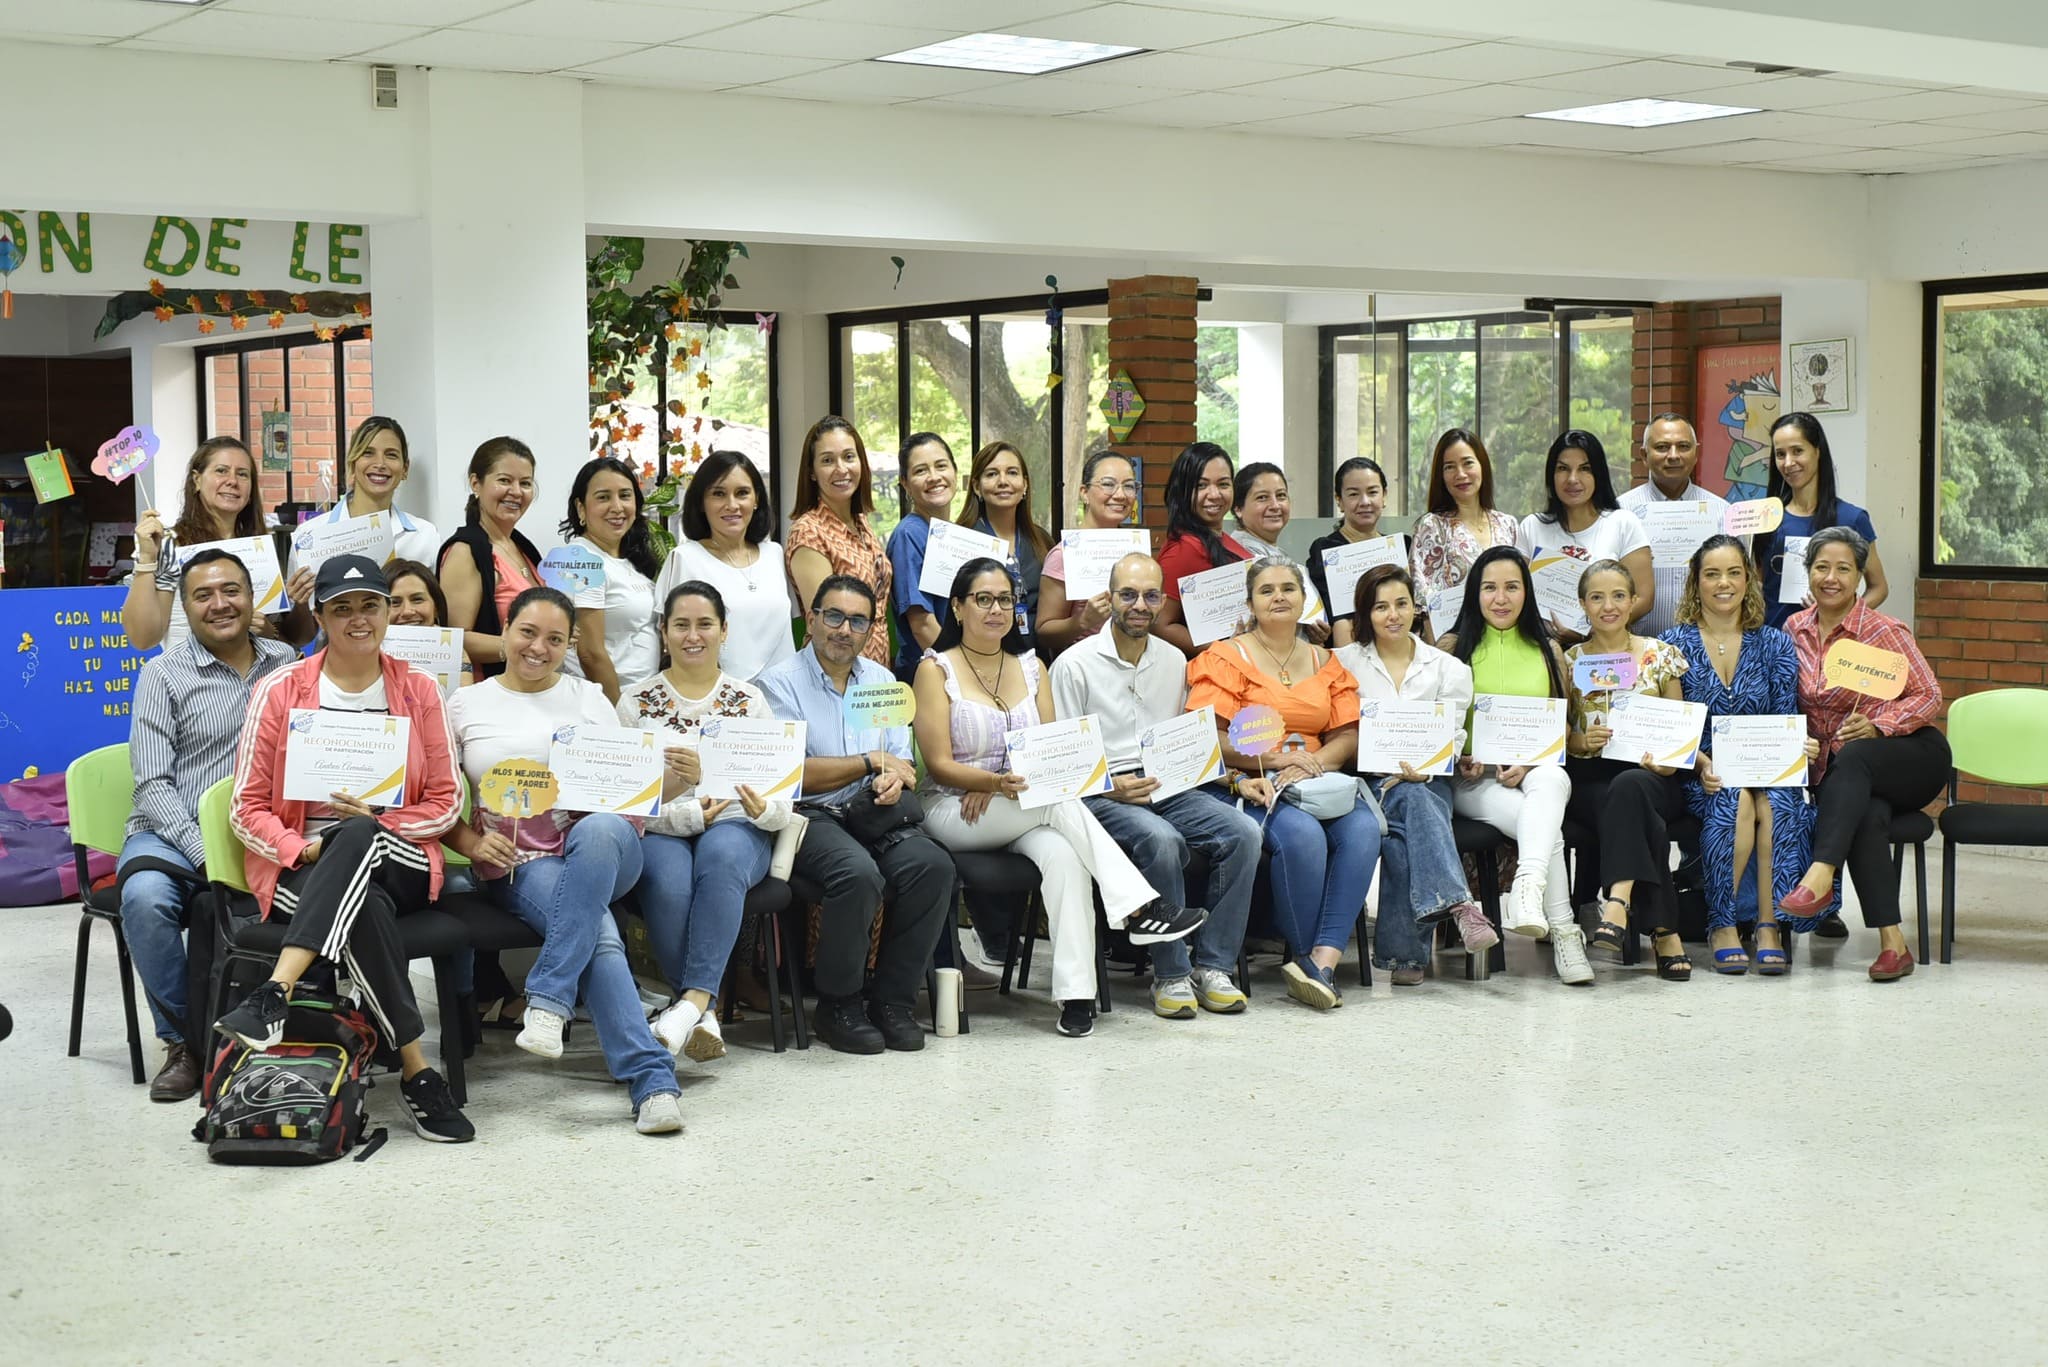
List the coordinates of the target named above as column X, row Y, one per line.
column 1773, row 963
column 1733, row 961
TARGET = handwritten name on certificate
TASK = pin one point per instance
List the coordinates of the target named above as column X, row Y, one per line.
column 1556, row 576
column 1422, row 735
column 1183, row 753
column 1664, row 728
column 1061, row 760
column 1676, row 530
column 1344, row 566
column 321, row 540
column 436, row 650
column 607, row 769
column 947, row 547
column 1512, row 730
column 258, row 555
column 763, row 753
column 1092, row 552
column 1213, row 602
column 1760, row 752
column 362, row 754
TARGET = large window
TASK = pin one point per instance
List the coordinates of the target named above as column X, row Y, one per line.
column 293, row 399
column 735, row 413
column 1389, row 391
column 1984, row 489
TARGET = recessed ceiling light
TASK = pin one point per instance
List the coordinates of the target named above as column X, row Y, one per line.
column 1011, row 53
column 1642, row 113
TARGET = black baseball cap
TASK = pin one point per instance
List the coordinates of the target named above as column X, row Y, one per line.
column 348, row 574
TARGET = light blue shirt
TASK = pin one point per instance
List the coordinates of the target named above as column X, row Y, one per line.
column 412, row 538
column 799, row 689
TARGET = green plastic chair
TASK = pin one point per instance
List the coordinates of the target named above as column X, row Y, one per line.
column 224, row 852
column 2000, row 737
column 99, row 790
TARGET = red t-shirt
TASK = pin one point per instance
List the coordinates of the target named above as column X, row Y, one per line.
column 1184, row 555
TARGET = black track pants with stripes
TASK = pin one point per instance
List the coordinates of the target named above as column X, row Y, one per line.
column 345, row 908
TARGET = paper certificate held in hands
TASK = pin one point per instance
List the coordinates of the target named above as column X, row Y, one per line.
column 1422, row 735
column 947, row 547
column 1676, row 530
column 1760, row 752
column 1212, row 603
column 437, row 650
column 258, row 555
column 1664, row 728
column 321, row 540
column 1092, row 552
column 1509, row 730
column 607, row 769
column 1792, row 585
column 1344, row 566
column 1444, row 606
column 362, row 754
column 763, row 753
column 1183, row 753
column 1060, row 760
column 1556, row 577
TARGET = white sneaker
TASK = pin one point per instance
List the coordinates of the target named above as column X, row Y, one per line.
column 1568, row 952
column 1173, row 998
column 1216, row 992
column 541, row 1033
column 661, row 1113
column 1525, row 906
column 707, row 1041
column 673, row 1026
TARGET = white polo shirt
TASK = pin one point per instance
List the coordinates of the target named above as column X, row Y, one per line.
column 1090, row 677
column 1670, row 583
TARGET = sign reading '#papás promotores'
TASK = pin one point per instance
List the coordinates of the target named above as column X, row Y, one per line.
column 126, row 251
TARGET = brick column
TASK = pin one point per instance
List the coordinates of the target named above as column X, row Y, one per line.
column 1979, row 635
column 1152, row 335
column 1667, row 340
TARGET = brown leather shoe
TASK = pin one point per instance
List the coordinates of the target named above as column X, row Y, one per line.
column 178, row 1079
column 1408, row 977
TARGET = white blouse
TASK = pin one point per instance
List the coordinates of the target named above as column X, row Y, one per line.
column 1433, row 676
column 632, row 636
column 757, row 603
column 1615, row 533
column 657, row 705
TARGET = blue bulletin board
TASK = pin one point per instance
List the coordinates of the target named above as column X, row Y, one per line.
column 67, row 677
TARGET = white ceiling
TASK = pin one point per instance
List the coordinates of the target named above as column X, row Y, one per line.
column 1207, row 68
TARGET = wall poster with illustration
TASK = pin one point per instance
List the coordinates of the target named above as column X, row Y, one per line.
column 1736, row 401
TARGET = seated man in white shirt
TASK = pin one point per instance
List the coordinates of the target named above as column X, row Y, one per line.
column 1671, row 451
column 1131, row 680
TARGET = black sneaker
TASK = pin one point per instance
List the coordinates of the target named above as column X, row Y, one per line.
column 838, row 1021
column 1159, row 921
column 434, row 1112
column 1832, row 929
column 259, row 1021
column 900, row 1030
column 1077, row 1018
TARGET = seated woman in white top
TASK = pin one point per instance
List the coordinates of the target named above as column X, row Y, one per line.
column 1422, row 877
column 1586, row 521
column 617, row 640
column 726, row 544
column 977, row 684
column 702, row 854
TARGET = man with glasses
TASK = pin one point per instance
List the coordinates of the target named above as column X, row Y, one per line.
column 1131, row 680
column 1671, row 451
column 865, row 835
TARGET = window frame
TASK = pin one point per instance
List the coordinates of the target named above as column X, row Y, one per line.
column 287, row 342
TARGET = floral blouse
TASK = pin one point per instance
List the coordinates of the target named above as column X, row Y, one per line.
column 656, row 705
column 852, row 550
column 1225, row 678
column 1442, row 549
column 1658, row 662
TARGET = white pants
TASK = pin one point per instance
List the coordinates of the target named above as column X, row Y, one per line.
column 1069, row 847
column 1532, row 815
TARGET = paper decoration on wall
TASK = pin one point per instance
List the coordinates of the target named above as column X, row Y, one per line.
column 126, row 453
column 1822, row 375
column 50, row 476
column 10, row 257
column 765, row 324
column 897, row 262
column 1122, row 405
column 277, row 440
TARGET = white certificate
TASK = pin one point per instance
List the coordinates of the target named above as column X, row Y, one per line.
column 765, row 754
column 607, row 769
column 1444, row 606
column 358, row 753
column 1557, row 578
column 1344, row 566
column 1760, row 752
column 1183, row 753
column 321, row 540
column 258, row 555
column 1792, row 588
column 1212, row 603
column 1423, row 735
column 1645, row 724
column 436, row 650
column 1091, row 553
column 1512, row 730
column 947, row 547
column 1060, row 760
column 1676, row 530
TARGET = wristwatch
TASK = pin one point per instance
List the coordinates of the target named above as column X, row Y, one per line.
column 868, row 763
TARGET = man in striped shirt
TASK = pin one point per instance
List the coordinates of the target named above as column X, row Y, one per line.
column 190, row 703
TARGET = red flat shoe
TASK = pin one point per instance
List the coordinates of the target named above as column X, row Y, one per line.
column 1892, row 965
column 1800, row 902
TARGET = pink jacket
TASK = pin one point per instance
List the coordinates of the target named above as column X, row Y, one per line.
column 272, row 826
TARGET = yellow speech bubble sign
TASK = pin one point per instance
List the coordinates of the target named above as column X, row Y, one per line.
column 1875, row 673
column 517, row 788
column 1754, row 515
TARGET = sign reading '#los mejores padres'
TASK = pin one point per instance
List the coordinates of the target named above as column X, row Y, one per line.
column 127, row 251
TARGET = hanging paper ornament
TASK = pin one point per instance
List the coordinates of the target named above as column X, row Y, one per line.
column 10, row 257
column 1122, row 406
column 766, row 323
column 897, row 262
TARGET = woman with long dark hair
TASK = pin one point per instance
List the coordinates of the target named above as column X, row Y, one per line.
column 928, row 478
column 1460, row 520
column 999, row 504
column 488, row 561
column 1109, row 491
column 1199, row 492
column 828, row 529
column 727, row 522
column 617, row 639
column 1360, row 487
column 1585, row 520
column 1803, row 476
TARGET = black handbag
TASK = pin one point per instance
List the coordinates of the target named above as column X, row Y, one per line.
column 871, row 822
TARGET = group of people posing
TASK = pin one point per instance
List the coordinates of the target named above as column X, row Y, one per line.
column 707, row 633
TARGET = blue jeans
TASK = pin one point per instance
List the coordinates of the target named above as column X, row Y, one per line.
column 1320, row 873
column 1421, row 875
column 568, row 899
column 153, row 923
column 1158, row 836
column 692, row 897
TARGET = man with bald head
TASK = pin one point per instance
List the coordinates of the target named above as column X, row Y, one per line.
column 1130, row 681
column 1671, row 452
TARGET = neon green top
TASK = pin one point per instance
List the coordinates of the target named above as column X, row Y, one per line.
column 1506, row 661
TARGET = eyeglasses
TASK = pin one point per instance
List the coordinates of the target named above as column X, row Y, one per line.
column 835, row 619
column 985, row 601
column 1151, row 598
column 1127, row 487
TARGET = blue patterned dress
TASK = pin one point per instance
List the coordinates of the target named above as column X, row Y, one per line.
column 1766, row 684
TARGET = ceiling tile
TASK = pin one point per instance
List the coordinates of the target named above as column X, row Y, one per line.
column 1924, row 104
column 1995, row 145
column 1739, row 152
column 1494, row 62
column 1789, row 92
column 1053, row 97
column 969, row 16
column 1147, row 26
column 498, row 51
column 1326, row 45
column 782, row 36
column 884, row 82
column 1700, row 133
column 1649, row 79
column 83, row 18
column 1489, row 100
column 1865, row 133
column 1486, row 133
column 1876, row 159
column 1789, row 125
column 1360, row 120
column 1349, row 85
column 605, row 19
column 2032, row 119
column 699, row 68
column 1185, row 71
column 271, row 35
column 419, row 13
column 1214, row 109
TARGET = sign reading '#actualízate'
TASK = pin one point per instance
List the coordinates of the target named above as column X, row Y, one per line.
column 127, row 251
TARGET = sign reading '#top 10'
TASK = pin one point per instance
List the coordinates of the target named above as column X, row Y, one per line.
column 127, row 251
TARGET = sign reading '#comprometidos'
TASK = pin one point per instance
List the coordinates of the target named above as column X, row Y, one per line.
column 61, row 251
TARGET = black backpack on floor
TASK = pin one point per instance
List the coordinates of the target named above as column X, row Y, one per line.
column 303, row 1100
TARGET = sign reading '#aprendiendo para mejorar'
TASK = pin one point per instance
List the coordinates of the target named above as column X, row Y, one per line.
column 880, row 705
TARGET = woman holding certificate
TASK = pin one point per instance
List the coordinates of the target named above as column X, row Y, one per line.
column 1109, row 491
column 1877, row 755
column 1422, row 877
column 1754, row 840
column 377, row 462
column 828, row 529
column 1262, row 508
column 559, row 871
column 1461, row 521
column 1361, row 489
column 929, row 477
column 978, row 685
column 1323, row 840
column 1625, row 801
column 619, row 643
column 1502, row 637
column 1803, row 476
column 1199, row 491
column 726, row 544
column 1585, row 521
